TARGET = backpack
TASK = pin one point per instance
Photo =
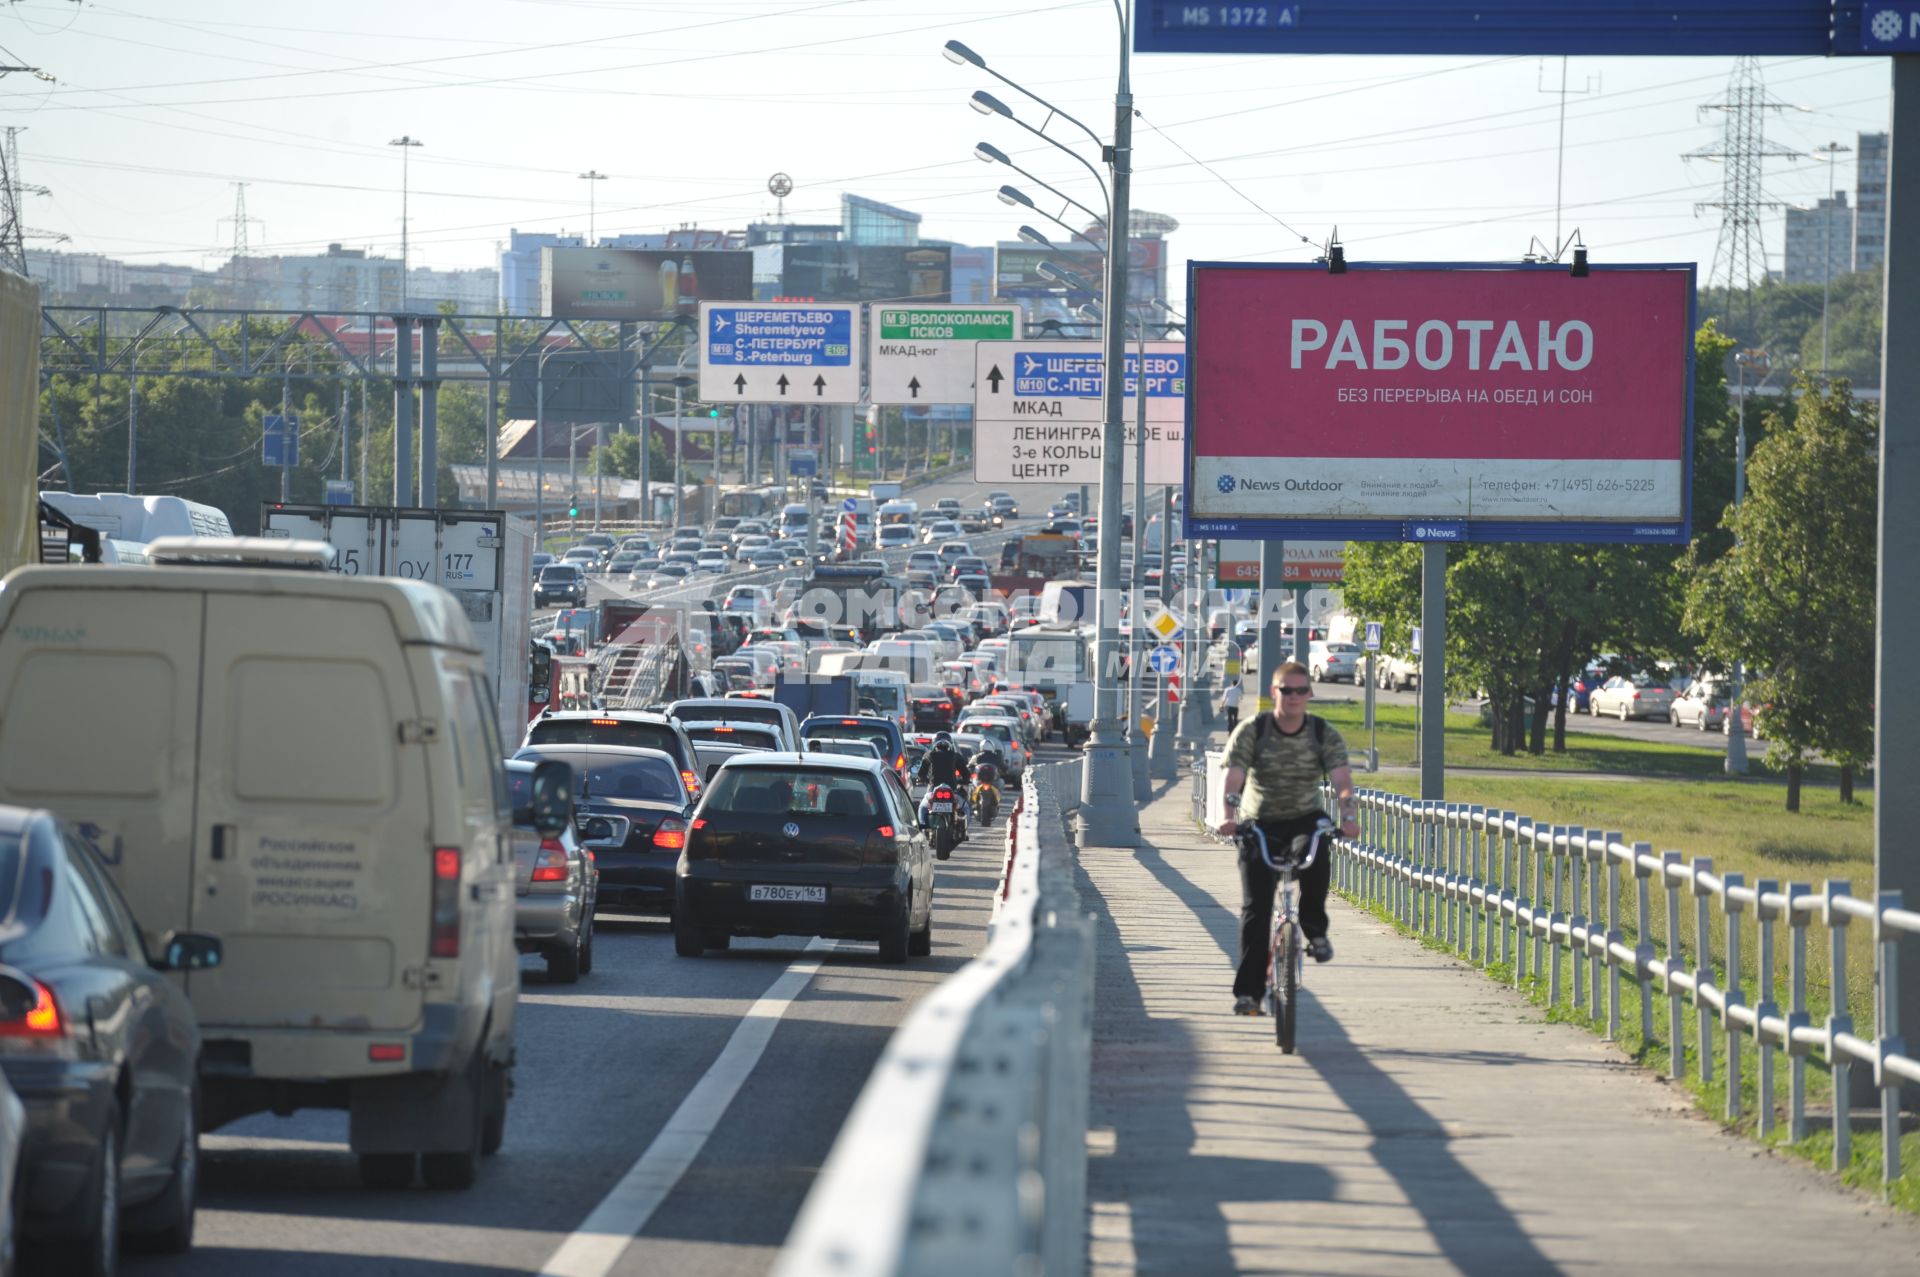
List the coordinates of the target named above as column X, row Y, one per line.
column 1315, row 724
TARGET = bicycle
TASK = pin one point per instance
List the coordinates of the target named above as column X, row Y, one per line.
column 1285, row 949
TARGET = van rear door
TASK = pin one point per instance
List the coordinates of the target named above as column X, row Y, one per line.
column 99, row 705
column 312, row 854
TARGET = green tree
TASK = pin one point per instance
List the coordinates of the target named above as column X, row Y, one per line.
column 1794, row 598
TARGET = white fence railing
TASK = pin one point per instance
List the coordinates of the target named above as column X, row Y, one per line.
column 1497, row 886
column 966, row 1151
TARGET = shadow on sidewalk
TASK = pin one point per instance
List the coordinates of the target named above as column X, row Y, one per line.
column 1469, row 1223
column 1143, row 1068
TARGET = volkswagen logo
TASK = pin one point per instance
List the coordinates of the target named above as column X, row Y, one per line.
column 1225, row 484
column 791, row 829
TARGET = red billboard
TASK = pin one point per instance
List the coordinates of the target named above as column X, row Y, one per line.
column 1440, row 402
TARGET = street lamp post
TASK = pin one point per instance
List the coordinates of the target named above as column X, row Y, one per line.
column 1106, row 816
column 1833, row 151
column 406, row 143
column 590, row 177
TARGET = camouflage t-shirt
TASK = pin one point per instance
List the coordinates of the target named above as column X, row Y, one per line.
column 1284, row 772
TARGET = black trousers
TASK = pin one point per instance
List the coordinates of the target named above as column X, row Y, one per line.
column 1233, row 716
column 1256, row 902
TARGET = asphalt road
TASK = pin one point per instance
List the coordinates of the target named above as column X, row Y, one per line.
column 602, row 1066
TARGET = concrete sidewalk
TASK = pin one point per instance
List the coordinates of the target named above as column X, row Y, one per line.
column 1432, row 1122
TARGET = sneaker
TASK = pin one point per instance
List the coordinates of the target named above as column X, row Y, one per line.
column 1245, row 1006
column 1321, row 948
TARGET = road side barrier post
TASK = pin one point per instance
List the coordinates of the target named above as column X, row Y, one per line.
column 1476, row 909
column 1731, row 885
column 1643, row 953
column 1797, row 1016
column 1766, row 913
column 1599, row 884
column 1676, row 1014
column 1509, row 896
column 1523, row 970
column 1555, row 918
column 1580, row 922
column 1614, row 935
column 1839, row 1022
column 1886, row 1033
column 1703, row 961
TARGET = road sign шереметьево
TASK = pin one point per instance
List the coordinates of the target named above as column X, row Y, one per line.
column 779, row 353
column 1038, row 408
column 924, row 354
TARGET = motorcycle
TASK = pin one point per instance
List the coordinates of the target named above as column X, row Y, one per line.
column 985, row 796
column 948, row 832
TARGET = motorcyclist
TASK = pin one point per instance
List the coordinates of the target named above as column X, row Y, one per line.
column 944, row 765
column 988, row 769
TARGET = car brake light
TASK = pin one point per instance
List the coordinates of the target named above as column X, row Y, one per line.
column 387, row 1052
column 606, row 722
column 700, row 823
column 849, row 722
column 445, row 940
column 550, row 865
column 40, row 1020
column 885, row 831
column 900, row 763
column 671, row 836
column 691, row 781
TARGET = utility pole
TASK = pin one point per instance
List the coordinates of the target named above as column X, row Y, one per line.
column 1560, row 162
column 1741, row 252
column 14, row 232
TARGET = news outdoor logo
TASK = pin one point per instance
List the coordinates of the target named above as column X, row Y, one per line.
column 1226, row 484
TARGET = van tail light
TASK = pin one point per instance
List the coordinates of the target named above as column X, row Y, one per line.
column 29, row 1010
column 445, row 942
column 672, row 834
column 550, row 865
column 691, row 781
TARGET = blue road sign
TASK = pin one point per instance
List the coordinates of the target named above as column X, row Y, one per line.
column 1059, row 374
column 1164, row 660
column 848, row 505
column 803, row 465
column 1416, row 640
column 280, row 439
column 780, row 337
column 1531, row 27
column 1373, row 636
column 1888, row 27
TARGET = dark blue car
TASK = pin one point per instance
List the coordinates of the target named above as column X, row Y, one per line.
column 883, row 732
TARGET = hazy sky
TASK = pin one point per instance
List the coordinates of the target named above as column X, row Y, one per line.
column 689, row 106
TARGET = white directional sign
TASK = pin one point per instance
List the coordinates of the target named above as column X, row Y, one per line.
column 779, row 353
column 924, row 354
column 1038, row 407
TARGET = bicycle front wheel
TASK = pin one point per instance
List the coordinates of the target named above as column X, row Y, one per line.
column 1286, row 984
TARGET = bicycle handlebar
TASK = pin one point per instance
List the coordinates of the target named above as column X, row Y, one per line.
column 1287, row 864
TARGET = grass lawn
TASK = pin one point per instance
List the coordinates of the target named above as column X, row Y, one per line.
column 1467, row 747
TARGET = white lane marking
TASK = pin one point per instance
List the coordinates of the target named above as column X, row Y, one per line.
column 596, row 1246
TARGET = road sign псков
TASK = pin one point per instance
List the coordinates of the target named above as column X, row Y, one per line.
column 924, row 354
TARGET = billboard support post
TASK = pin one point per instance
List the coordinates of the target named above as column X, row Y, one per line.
column 1433, row 671
column 1896, row 705
column 402, row 409
column 1273, row 560
column 1160, row 744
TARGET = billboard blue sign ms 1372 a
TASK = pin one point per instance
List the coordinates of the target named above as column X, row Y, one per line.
column 1592, row 28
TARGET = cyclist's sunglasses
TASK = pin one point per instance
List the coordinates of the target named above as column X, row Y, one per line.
column 1284, row 690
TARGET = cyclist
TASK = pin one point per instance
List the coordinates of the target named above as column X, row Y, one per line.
column 944, row 765
column 1285, row 754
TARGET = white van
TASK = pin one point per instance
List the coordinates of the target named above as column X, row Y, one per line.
column 303, row 764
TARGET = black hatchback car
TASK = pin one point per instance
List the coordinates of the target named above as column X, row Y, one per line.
column 805, row 844
column 630, row 809
column 101, row 1048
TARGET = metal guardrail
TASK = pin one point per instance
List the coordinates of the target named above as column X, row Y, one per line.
column 1459, row 874
column 966, row 1151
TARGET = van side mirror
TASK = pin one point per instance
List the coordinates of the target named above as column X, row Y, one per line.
column 187, row 951
column 551, row 796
